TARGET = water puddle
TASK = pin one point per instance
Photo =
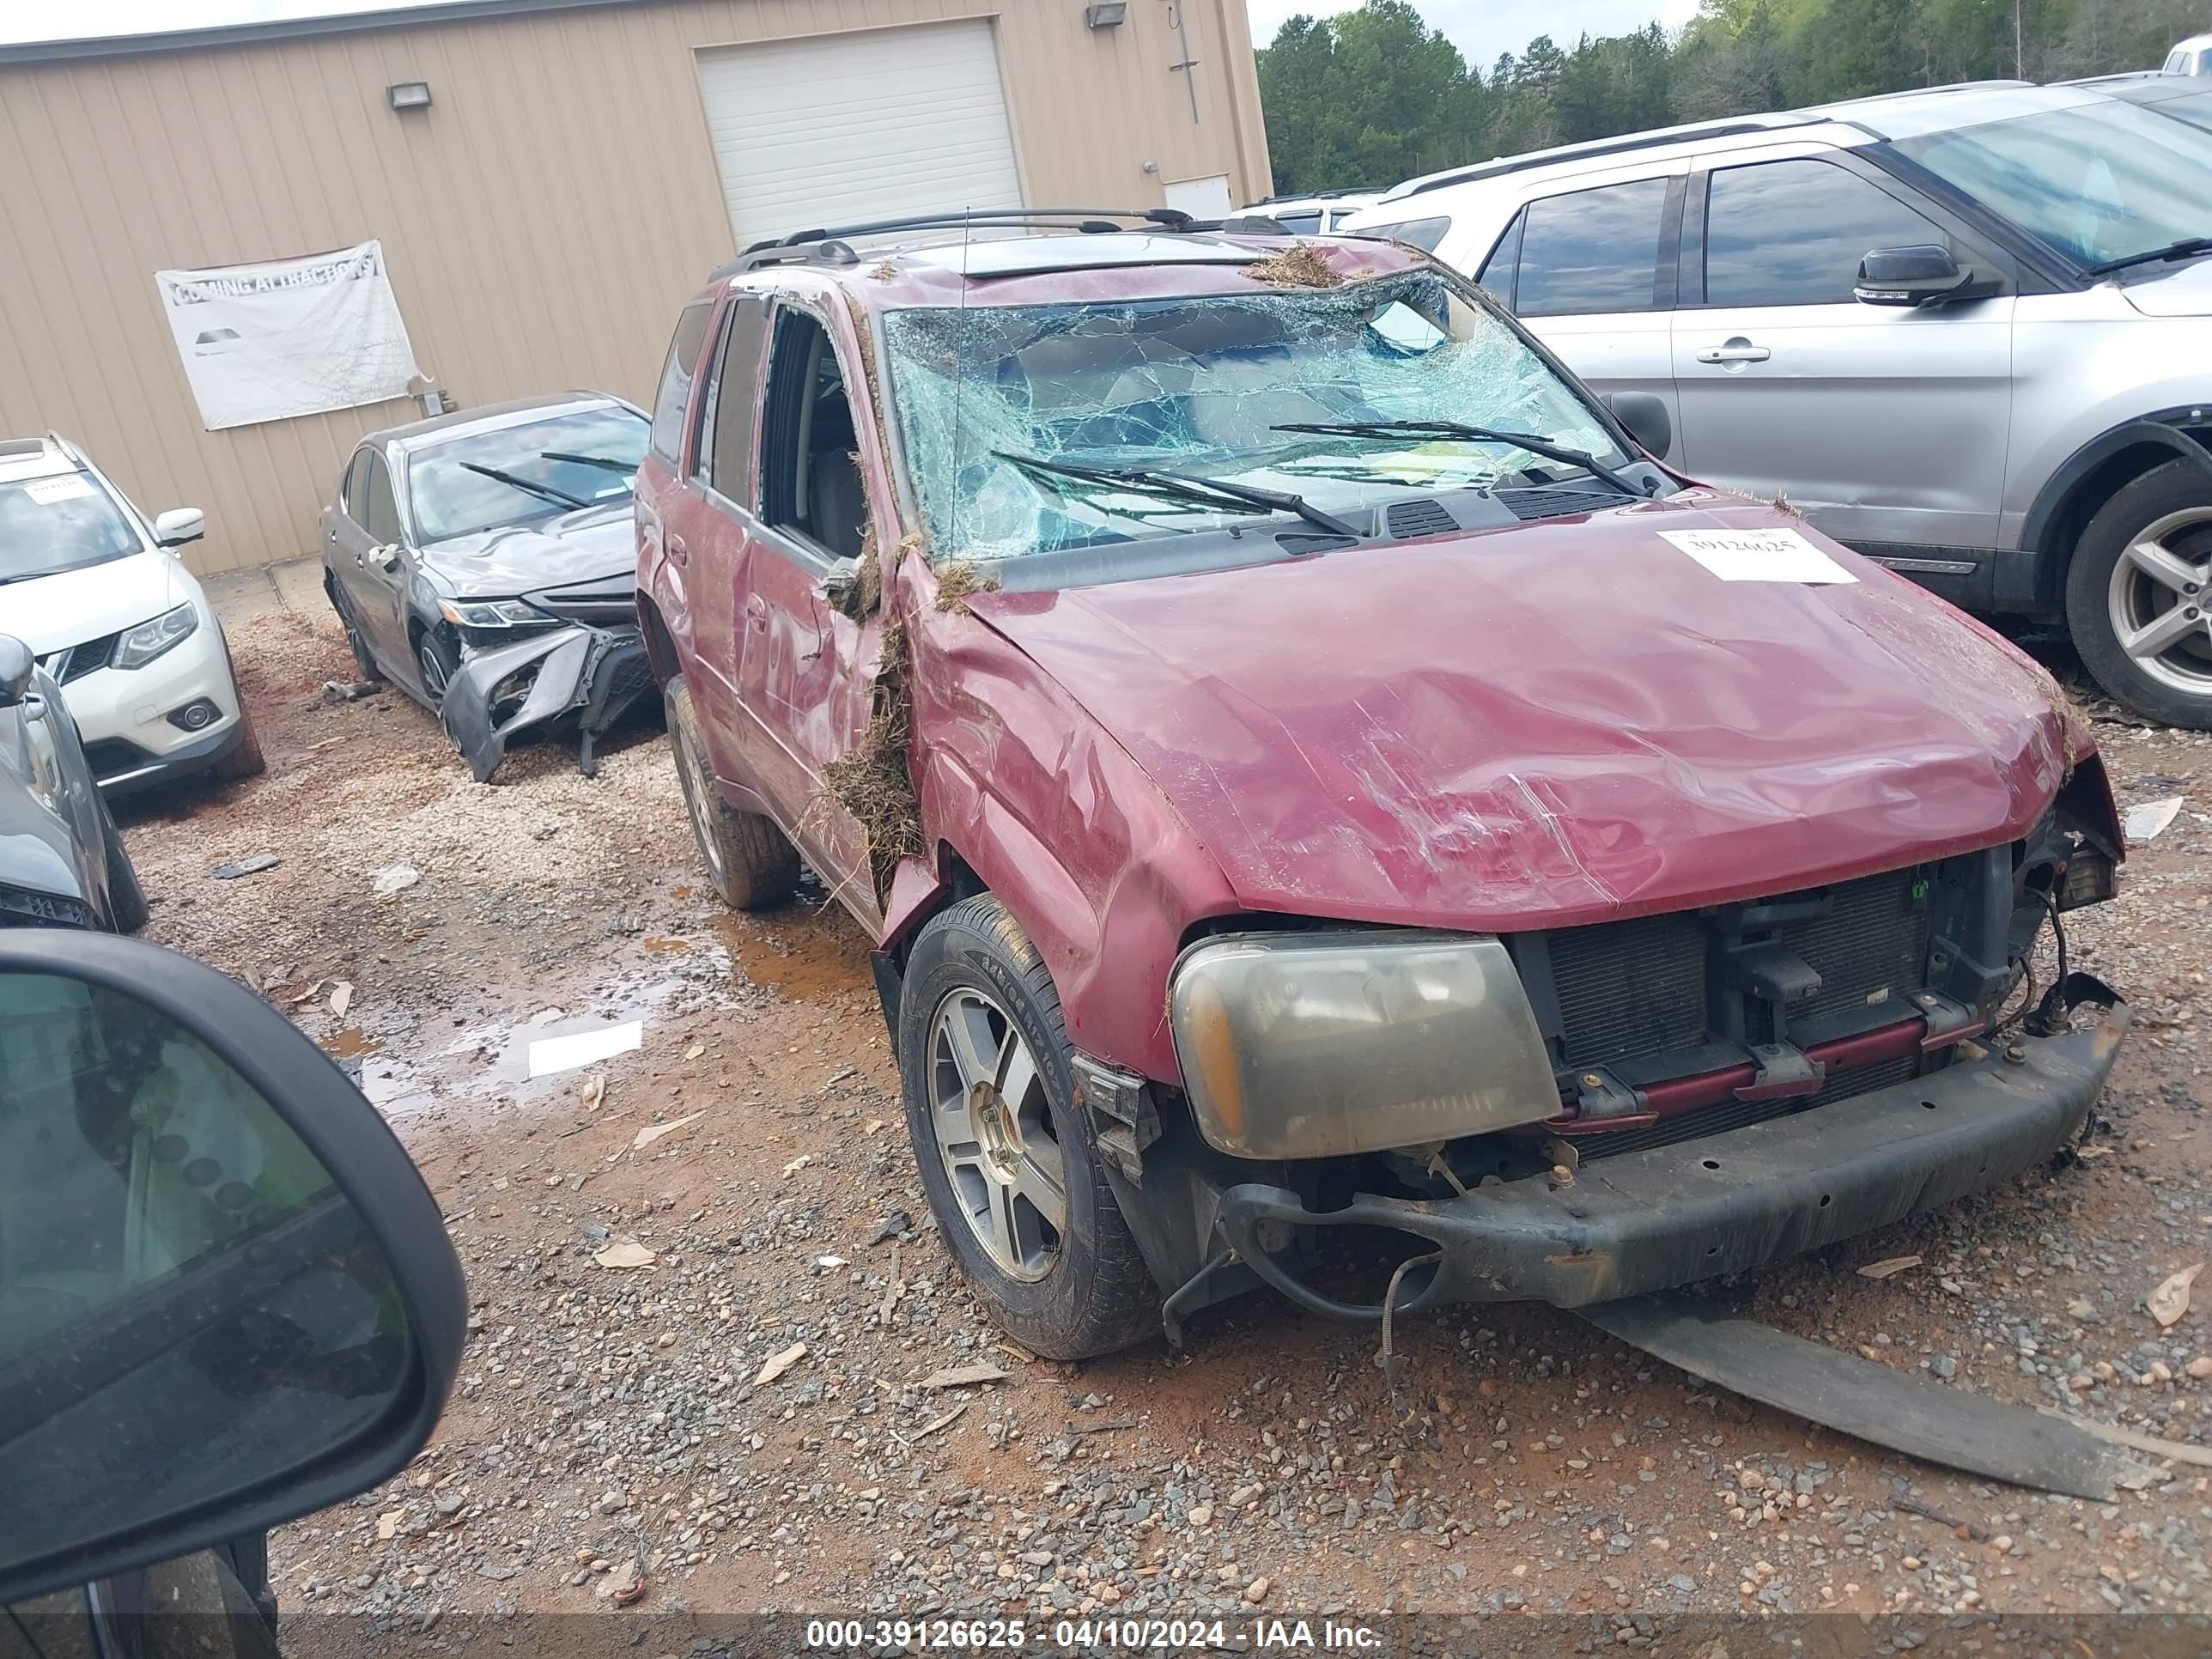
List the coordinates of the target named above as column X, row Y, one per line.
column 351, row 1044
column 807, row 952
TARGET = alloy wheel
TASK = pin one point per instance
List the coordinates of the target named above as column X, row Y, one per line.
column 995, row 1132
column 2157, row 600
column 696, row 796
column 434, row 669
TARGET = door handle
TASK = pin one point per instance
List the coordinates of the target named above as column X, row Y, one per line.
column 756, row 611
column 1735, row 351
column 678, row 553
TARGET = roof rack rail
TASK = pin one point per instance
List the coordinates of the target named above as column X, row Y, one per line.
column 1544, row 158
column 831, row 244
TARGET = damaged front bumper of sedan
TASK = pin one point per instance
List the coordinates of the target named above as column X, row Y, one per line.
column 595, row 673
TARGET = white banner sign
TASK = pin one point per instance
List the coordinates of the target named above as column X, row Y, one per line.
column 293, row 337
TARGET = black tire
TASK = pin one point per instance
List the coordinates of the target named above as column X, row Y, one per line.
column 364, row 663
column 437, row 659
column 127, row 908
column 2175, row 687
column 1095, row 1295
column 245, row 759
column 751, row 863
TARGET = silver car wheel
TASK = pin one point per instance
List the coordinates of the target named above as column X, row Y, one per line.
column 994, row 1132
column 2157, row 600
column 697, row 795
column 434, row 671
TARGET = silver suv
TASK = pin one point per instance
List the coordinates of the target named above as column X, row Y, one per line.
column 1967, row 330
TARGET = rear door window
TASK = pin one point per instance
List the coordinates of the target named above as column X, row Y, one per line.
column 674, row 395
column 1423, row 233
column 1592, row 250
column 1299, row 224
column 725, row 454
column 354, row 493
column 1793, row 232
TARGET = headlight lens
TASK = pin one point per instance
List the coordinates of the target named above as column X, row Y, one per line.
column 491, row 613
column 1318, row 1045
column 141, row 645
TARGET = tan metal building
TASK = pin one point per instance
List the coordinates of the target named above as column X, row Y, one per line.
column 579, row 167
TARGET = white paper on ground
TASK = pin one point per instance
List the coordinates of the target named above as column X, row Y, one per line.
column 1758, row 556
column 2148, row 821
column 562, row 1053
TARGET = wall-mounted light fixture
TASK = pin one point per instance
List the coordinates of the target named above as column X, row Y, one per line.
column 1105, row 14
column 409, row 95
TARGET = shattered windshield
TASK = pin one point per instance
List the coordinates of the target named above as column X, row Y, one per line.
column 1198, row 387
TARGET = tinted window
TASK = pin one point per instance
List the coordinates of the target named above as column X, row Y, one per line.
column 1423, row 233
column 675, row 393
column 356, row 487
column 726, row 427
column 1498, row 270
column 1596, row 250
column 1299, row 224
column 380, row 513
column 1793, row 232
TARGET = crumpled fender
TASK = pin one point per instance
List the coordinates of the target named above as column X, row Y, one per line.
column 561, row 683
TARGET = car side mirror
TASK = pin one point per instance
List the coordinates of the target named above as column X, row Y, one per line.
column 227, row 1299
column 180, row 525
column 17, row 664
column 1920, row 276
column 840, row 579
column 1645, row 417
column 390, row 554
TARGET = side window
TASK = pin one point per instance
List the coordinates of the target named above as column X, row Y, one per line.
column 355, row 490
column 1497, row 273
column 1423, row 233
column 1593, row 250
column 1793, row 232
column 2176, row 64
column 380, row 514
column 1299, row 224
column 675, row 394
column 810, row 480
column 726, row 420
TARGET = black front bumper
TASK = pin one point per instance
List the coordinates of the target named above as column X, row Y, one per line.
column 1652, row 1220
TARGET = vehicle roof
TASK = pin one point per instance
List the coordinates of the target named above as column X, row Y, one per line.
column 1327, row 199
column 33, row 457
column 2193, row 43
column 1888, row 115
column 490, row 417
column 931, row 268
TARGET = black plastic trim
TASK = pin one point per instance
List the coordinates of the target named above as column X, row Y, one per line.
column 337, row 1123
column 2160, row 427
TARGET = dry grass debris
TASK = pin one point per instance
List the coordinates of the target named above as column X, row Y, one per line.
column 1301, row 266
column 956, row 580
column 871, row 780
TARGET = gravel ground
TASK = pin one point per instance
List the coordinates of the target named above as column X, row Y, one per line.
column 608, row 1416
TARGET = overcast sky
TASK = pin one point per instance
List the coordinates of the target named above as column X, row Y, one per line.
column 1480, row 28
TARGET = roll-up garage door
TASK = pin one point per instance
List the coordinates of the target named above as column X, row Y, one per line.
column 843, row 128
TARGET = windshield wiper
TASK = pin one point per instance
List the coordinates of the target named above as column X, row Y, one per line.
column 606, row 463
column 2187, row 247
column 1455, row 432
column 1175, row 486
column 525, row 485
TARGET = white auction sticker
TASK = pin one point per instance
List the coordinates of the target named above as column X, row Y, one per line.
column 70, row 487
column 1758, row 556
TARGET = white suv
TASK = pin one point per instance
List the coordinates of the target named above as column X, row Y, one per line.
column 1968, row 331
column 101, row 599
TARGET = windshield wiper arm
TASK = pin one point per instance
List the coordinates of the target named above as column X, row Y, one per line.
column 605, row 463
column 2181, row 250
column 525, row 485
column 1175, row 486
column 1456, row 432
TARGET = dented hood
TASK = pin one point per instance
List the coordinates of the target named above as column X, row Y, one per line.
column 497, row 564
column 1557, row 723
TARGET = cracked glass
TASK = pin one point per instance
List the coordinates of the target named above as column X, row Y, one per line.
column 1196, row 386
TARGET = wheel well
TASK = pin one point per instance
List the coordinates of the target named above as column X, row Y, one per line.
column 659, row 643
column 2089, row 493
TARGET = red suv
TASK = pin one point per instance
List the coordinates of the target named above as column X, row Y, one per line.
column 1306, row 766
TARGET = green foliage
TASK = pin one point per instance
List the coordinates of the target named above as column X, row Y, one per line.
column 1372, row 96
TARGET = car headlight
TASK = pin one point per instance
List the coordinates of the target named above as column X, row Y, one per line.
column 1318, row 1045
column 139, row 646
column 491, row 613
